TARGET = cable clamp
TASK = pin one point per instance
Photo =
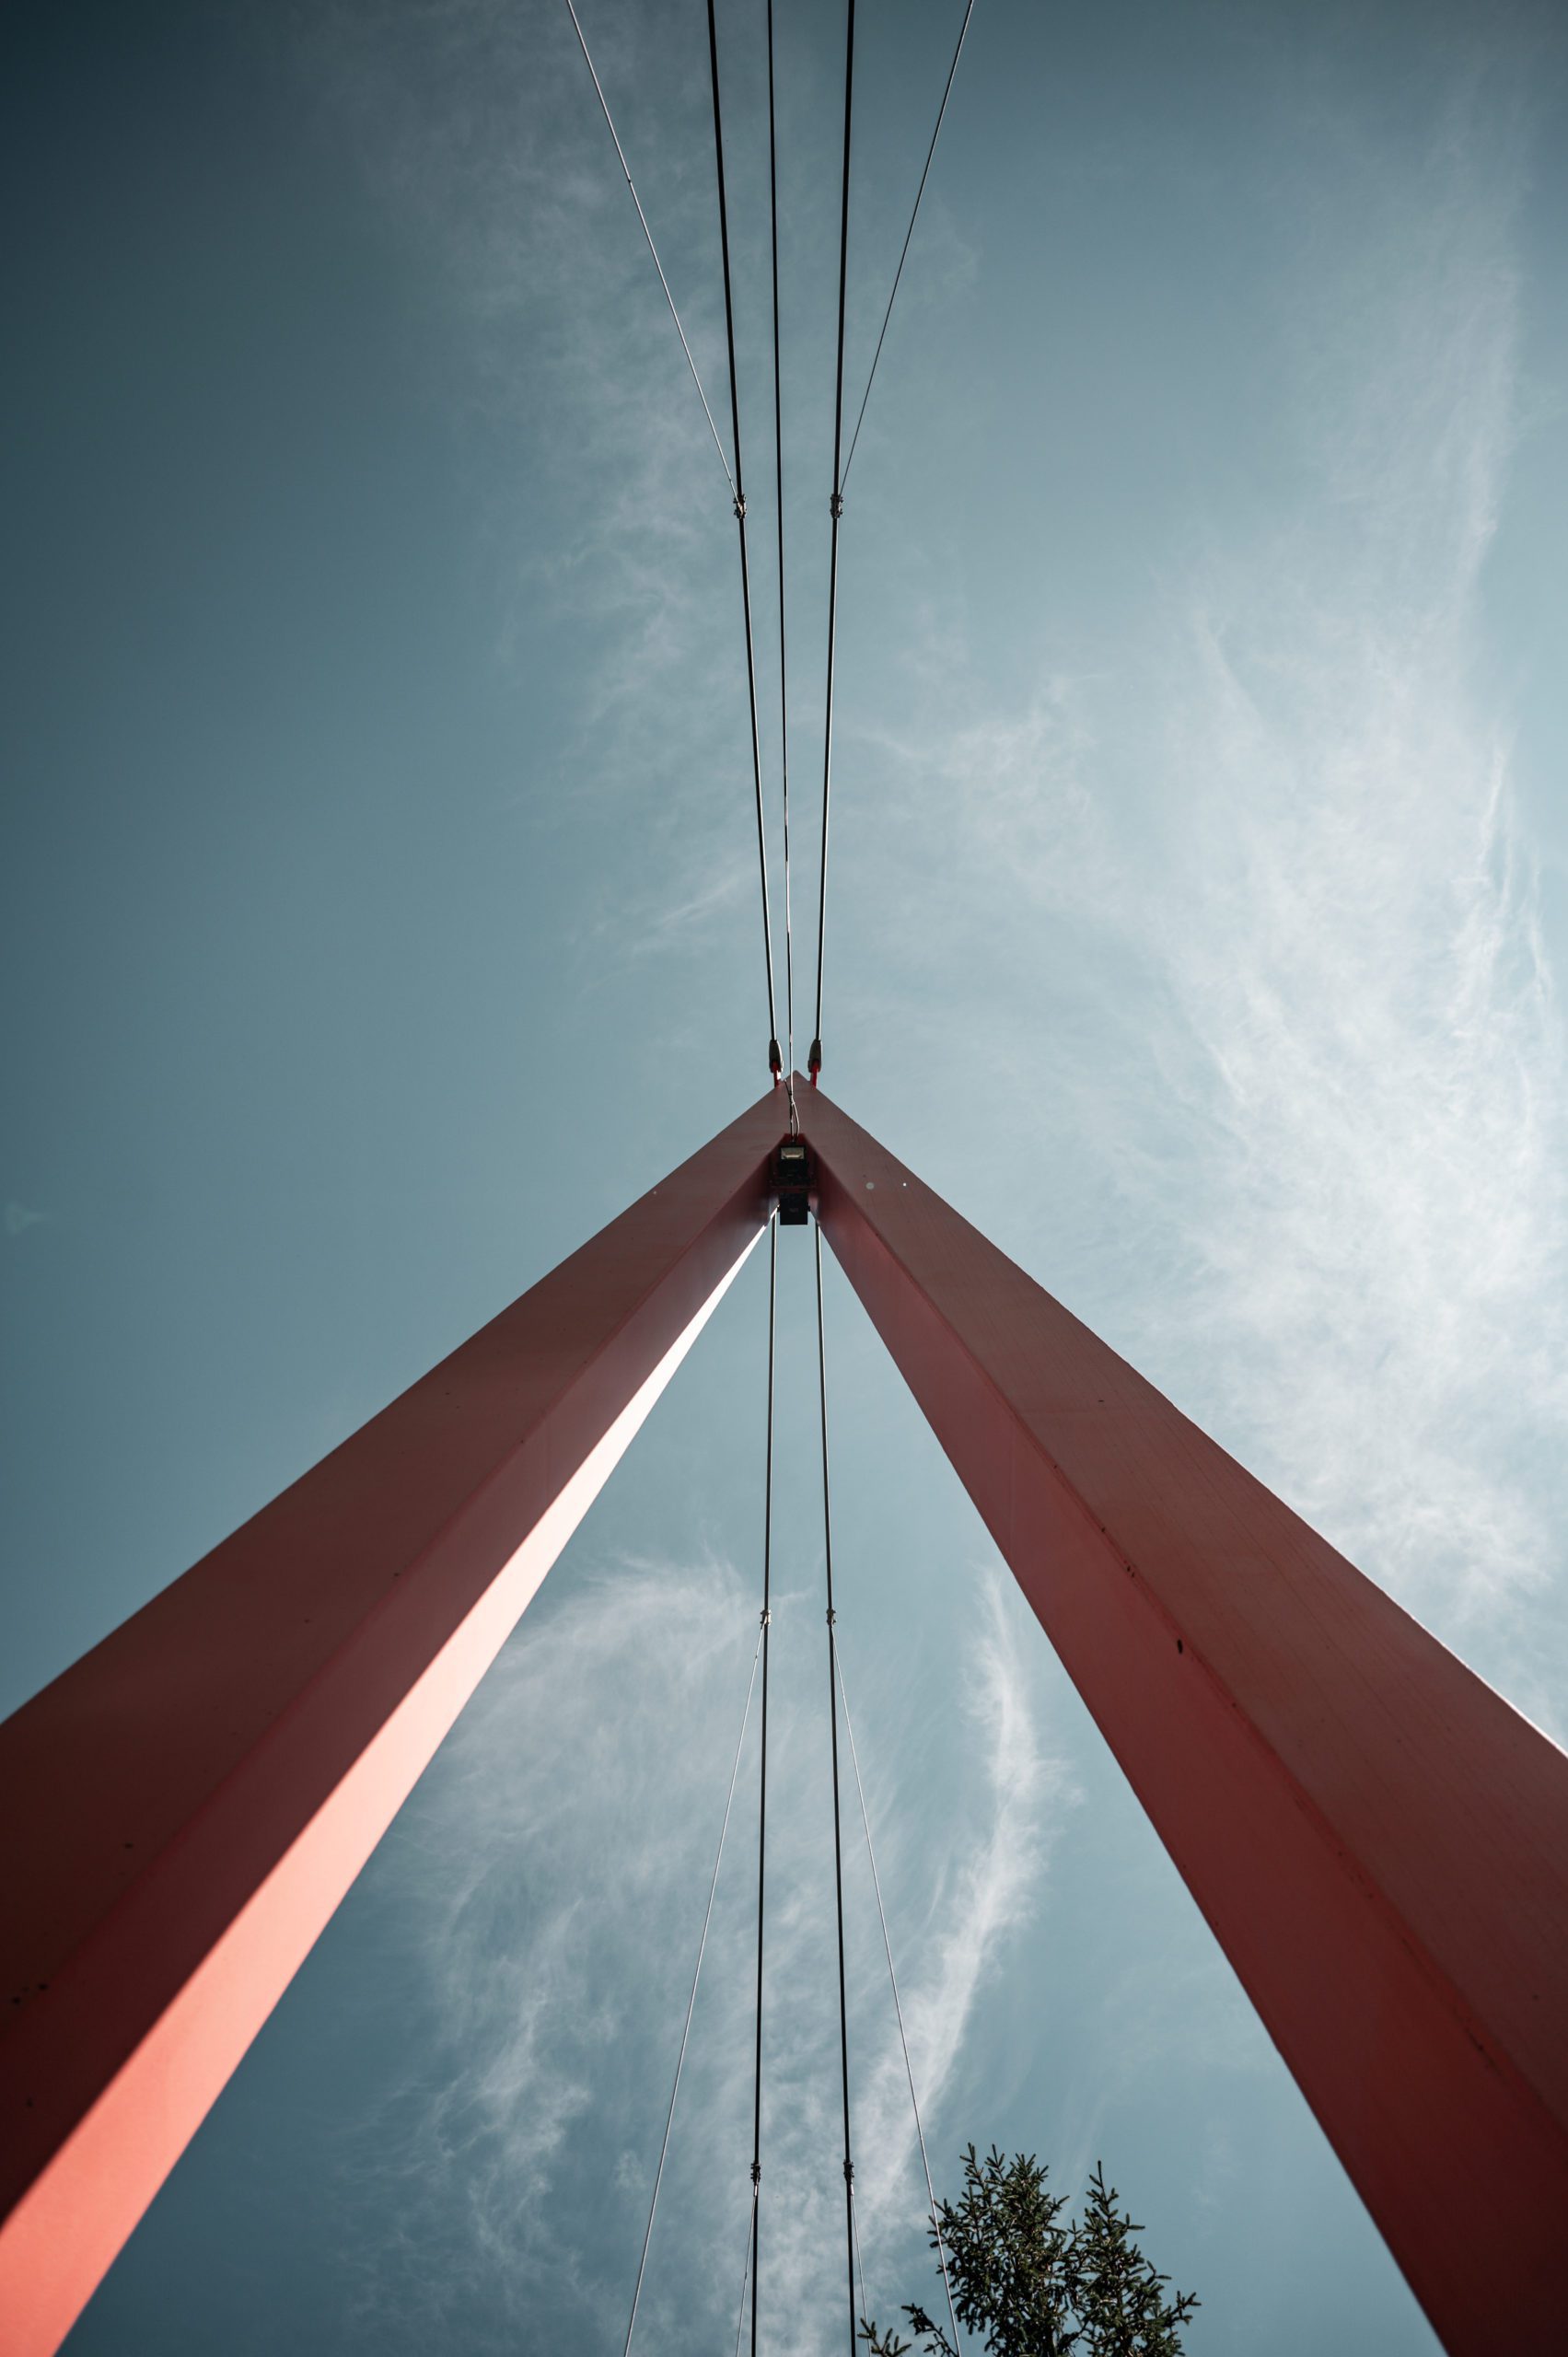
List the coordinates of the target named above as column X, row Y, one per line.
column 756, row 2175
column 741, row 507
column 775, row 1061
column 836, row 505
column 849, row 2172
column 832, row 1615
column 767, row 1617
column 814, row 1060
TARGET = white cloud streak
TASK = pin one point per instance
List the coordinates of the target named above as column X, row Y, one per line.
column 1258, row 855
column 1306, row 1040
column 552, row 1896
column 478, row 127
column 1302, row 1041
column 989, row 1893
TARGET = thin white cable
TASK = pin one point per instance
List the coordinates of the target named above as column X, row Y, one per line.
column 746, row 2274
column 658, row 265
column 893, row 1980
column 691, row 2001
column 941, row 112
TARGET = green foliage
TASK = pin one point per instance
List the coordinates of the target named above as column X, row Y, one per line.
column 1035, row 2286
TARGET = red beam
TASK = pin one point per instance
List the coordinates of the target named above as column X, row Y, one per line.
column 1380, row 1844
column 186, row 1806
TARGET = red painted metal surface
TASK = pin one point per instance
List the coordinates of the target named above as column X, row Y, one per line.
column 1379, row 1841
column 185, row 1808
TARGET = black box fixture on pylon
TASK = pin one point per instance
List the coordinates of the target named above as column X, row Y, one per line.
column 794, row 1177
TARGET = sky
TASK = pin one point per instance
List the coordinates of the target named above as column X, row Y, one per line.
column 380, row 915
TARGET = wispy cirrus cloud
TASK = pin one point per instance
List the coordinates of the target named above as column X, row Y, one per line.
column 988, row 1892
column 1232, row 912
column 478, row 131
column 554, row 1891
column 1353, row 946
column 1291, row 1000
column 1303, row 1028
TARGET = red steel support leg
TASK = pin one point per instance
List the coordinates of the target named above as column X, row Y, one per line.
column 185, row 1808
column 1379, row 1841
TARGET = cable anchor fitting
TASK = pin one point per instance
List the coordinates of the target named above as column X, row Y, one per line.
column 836, row 505
column 775, row 1061
column 849, row 2173
column 756, row 2175
column 832, row 1615
column 767, row 1617
column 740, row 506
column 813, row 1061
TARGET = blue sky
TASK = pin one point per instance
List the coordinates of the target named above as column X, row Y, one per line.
column 380, row 915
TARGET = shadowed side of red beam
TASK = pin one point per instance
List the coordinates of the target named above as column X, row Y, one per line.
column 184, row 1808
column 1380, row 1844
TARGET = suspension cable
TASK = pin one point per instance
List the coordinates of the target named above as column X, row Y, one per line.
column 860, row 2263
column 947, row 93
column 744, row 2278
column 838, row 1837
column 692, row 1999
column 836, row 509
column 775, row 1060
column 893, row 1982
column 784, row 670
column 762, row 1779
column 658, row 265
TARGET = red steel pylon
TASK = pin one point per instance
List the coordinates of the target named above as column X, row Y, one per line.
column 1377, row 1841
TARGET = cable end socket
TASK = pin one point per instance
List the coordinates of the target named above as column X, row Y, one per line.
column 775, row 1061
column 813, row 1061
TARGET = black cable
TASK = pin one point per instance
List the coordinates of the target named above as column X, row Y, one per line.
column 763, row 1772
column 897, row 2005
column 647, row 233
column 836, row 508
column 775, row 1061
column 838, row 1839
column 691, row 2002
column 947, row 93
column 784, row 669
